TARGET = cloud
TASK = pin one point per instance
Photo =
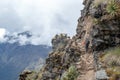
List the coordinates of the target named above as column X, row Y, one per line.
column 42, row 17
column 2, row 32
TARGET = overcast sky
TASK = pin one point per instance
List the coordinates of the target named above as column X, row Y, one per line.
column 42, row 17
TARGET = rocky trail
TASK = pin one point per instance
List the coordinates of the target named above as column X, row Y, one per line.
column 85, row 66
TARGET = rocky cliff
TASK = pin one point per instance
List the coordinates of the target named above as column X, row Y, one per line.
column 87, row 54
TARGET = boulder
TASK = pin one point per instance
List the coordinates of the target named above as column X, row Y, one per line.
column 101, row 75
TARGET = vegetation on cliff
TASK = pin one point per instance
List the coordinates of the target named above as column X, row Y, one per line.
column 112, row 57
column 71, row 74
column 113, row 8
column 111, row 62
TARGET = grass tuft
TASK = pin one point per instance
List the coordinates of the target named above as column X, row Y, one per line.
column 112, row 57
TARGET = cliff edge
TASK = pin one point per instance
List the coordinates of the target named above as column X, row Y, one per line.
column 93, row 53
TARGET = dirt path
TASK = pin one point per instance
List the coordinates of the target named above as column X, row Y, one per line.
column 86, row 67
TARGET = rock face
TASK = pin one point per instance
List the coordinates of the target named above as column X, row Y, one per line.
column 97, row 30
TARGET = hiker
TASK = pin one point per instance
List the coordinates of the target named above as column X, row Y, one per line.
column 93, row 45
column 87, row 42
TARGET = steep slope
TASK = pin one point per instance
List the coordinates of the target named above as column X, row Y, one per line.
column 14, row 57
column 98, row 30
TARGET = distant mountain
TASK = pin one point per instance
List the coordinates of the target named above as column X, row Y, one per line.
column 27, row 33
column 14, row 58
column 22, row 38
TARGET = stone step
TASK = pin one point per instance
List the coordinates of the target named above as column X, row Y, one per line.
column 78, row 63
column 79, row 67
column 81, row 77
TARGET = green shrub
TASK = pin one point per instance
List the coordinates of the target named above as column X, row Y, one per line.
column 71, row 74
column 96, row 21
column 113, row 8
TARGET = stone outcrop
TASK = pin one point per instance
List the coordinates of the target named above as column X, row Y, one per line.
column 95, row 33
column 24, row 74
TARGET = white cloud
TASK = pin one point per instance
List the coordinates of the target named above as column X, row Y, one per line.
column 2, row 34
column 42, row 17
column 22, row 39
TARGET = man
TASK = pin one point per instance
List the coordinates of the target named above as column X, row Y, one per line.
column 87, row 42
